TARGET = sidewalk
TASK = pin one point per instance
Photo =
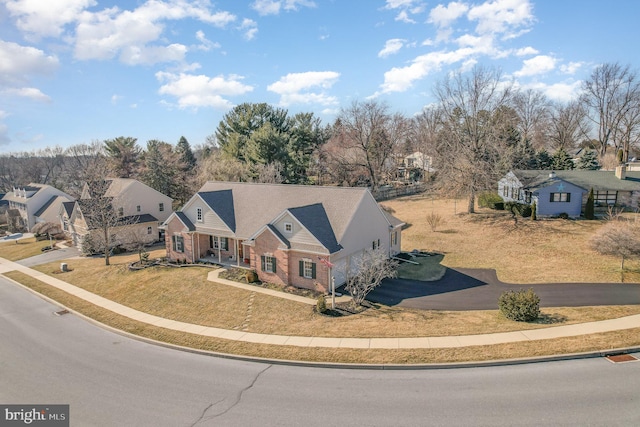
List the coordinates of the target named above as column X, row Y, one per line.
column 627, row 322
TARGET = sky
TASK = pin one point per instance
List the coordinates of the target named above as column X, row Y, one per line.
column 77, row 71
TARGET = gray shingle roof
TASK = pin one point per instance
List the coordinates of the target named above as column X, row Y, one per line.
column 279, row 235
column 314, row 218
column 255, row 205
column 221, row 202
column 598, row 180
column 186, row 221
column 45, row 206
column 68, row 207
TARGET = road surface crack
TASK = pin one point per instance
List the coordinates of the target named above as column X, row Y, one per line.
column 236, row 401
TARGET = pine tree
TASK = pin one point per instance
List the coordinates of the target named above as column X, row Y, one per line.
column 186, row 155
column 589, row 207
column 589, row 160
column 543, row 160
column 561, row 160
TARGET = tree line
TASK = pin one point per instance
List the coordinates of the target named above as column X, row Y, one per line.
column 480, row 126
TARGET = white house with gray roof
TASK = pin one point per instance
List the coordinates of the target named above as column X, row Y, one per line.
column 289, row 234
column 566, row 191
column 36, row 203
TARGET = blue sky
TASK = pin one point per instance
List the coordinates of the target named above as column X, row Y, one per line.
column 75, row 71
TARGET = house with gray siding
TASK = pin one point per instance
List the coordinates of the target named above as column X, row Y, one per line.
column 566, row 191
column 297, row 235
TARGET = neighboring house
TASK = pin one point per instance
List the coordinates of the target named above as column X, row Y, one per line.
column 566, row 191
column 138, row 209
column 289, row 234
column 35, row 203
column 415, row 167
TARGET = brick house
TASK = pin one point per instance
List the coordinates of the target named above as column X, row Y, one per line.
column 289, row 234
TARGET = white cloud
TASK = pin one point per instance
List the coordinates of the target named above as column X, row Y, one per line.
column 250, row 28
column 28, row 92
column 561, row 92
column 46, row 18
column 526, row 51
column 390, row 47
column 194, row 91
column 537, row 65
column 273, row 7
column 444, row 16
column 115, row 98
column 571, row 67
column 294, row 88
column 501, row 16
column 407, row 8
column 127, row 34
column 17, row 62
column 205, row 44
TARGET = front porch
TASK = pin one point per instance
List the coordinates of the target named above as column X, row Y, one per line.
column 225, row 262
column 226, row 251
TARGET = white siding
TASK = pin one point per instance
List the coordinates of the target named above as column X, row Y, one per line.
column 298, row 235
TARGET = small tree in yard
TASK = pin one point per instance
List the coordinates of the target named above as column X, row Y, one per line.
column 589, row 208
column 521, row 306
column 618, row 238
column 434, row 220
column 48, row 228
column 373, row 267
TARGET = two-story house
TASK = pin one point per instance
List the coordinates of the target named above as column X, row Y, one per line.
column 35, row 203
column 135, row 212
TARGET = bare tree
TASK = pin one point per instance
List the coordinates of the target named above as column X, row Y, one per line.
column 368, row 129
column 373, row 267
column 609, row 94
column 472, row 146
column 84, row 162
column 533, row 109
column 568, row 125
column 618, row 238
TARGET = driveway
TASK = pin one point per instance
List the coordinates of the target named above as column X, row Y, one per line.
column 479, row 289
column 51, row 256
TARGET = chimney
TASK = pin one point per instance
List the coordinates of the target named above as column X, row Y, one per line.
column 552, row 175
column 621, row 172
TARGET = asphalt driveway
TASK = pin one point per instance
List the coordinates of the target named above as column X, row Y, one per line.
column 51, row 256
column 479, row 289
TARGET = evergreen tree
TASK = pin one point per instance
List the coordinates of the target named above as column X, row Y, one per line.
column 543, row 160
column 183, row 149
column 162, row 168
column 589, row 160
column 123, row 155
column 589, row 208
column 561, row 160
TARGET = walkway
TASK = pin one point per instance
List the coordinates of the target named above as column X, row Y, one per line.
column 301, row 341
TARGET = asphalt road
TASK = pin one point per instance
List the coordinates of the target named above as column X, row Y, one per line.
column 479, row 289
column 110, row 380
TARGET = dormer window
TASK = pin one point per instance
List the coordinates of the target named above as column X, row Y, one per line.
column 288, row 227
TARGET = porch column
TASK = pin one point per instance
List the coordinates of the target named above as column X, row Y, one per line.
column 219, row 251
column 236, row 249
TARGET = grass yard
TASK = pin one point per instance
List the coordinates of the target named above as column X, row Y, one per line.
column 15, row 250
column 543, row 251
column 185, row 295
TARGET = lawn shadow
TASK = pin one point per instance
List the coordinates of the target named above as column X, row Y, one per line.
column 550, row 319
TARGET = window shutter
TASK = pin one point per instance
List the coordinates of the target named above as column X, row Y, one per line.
column 262, row 263
column 273, row 264
column 551, row 197
column 301, row 268
column 313, row 270
column 173, row 242
column 568, row 197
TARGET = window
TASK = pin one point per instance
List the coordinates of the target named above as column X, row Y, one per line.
column 375, row 244
column 527, row 196
column 199, row 214
column 605, row 197
column 394, row 238
column 149, row 230
column 178, row 243
column 120, row 212
column 307, row 268
column 138, row 208
column 224, row 243
column 161, row 207
column 268, row 263
column 288, row 227
column 505, row 191
column 559, row 197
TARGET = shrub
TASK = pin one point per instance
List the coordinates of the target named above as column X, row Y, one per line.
column 519, row 209
column 589, row 208
column 434, row 220
column 534, row 213
column 490, row 200
column 321, row 304
column 563, row 215
column 251, row 276
column 521, row 306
